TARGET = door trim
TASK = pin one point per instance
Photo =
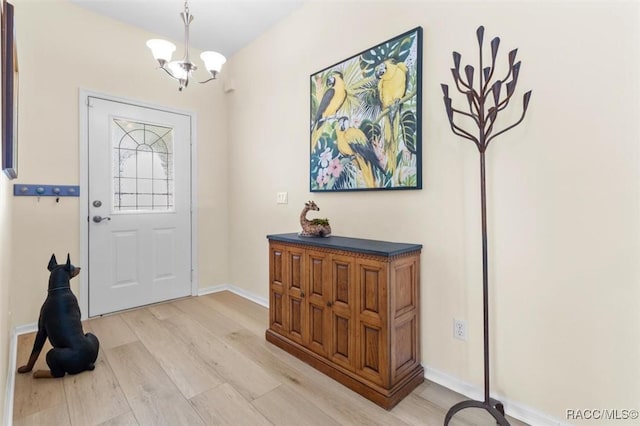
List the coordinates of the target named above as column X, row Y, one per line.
column 83, row 98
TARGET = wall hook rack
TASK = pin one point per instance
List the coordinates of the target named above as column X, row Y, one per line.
column 30, row 190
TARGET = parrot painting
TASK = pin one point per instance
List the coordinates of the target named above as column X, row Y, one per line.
column 333, row 98
column 352, row 142
column 392, row 86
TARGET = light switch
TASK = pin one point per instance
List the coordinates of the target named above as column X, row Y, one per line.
column 282, row 198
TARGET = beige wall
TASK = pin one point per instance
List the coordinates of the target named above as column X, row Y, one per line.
column 5, row 253
column 63, row 48
column 564, row 202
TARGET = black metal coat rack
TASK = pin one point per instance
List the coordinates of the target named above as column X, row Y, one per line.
column 485, row 102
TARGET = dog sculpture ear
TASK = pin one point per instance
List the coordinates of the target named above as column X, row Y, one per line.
column 68, row 265
column 52, row 263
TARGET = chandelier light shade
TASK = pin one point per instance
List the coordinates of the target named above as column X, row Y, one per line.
column 162, row 51
column 213, row 62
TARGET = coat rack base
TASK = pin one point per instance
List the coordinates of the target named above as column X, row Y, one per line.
column 494, row 407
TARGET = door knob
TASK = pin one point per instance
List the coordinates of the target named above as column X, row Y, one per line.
column 98, row 219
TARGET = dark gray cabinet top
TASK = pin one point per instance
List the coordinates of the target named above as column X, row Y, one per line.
column 379, row 248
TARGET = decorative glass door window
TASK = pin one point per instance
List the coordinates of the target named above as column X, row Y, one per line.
column 142, row 167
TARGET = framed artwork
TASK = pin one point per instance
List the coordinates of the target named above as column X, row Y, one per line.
column 366, row 114
column 9, row 93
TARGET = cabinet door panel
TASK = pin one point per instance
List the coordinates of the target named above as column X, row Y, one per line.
column 319, row 266
column 372, row 289
column 318, row 273
column 295, row 285
column 277, row 308
column 295, row 271
column 342, row 337
column 404, row 323
column 342, row 281
column 342, row 303
column 371, row 364
column 405, row 295
column 277, row 264
column 373, row 346
column 295, row 325
column 405, row 352
column 317, row 329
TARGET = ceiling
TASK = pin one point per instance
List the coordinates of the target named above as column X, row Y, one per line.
column 225, row 26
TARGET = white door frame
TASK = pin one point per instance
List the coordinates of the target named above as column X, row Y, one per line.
column 84, row 95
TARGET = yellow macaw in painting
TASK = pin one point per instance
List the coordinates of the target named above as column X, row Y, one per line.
column 352, row 142
column 332, row 99
column 392, row 86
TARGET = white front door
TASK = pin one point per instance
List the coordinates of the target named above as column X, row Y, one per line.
column 139, row 197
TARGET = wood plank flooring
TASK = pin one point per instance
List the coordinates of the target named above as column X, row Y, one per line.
column 204, row 361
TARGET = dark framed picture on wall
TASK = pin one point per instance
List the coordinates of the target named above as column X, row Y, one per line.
column 9, row 93
column 366, row 119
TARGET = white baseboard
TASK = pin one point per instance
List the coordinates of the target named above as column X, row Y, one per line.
column 236, row 290
column 11, row 372
column 514, row 409
column 214, row 289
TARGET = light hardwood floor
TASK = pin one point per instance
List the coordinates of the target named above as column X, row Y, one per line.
column 204, row 361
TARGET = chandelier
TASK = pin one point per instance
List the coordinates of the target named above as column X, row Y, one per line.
column 182, row 70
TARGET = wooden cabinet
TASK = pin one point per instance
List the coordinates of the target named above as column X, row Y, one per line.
column 350, row 308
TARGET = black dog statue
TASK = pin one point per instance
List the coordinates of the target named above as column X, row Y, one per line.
column 73, row 351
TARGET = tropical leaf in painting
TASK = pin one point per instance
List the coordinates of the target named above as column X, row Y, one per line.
column 385, row 179
column 318, row 82
column 326, row 133
column 368, row 94
column 408, row 127
column 399, row 159
column 410, row 180
column 314, row 100
column 398, row 49
column 412, row 84
column 324, row 142
column 371, row 130
column 381, row 177
column 353, row 81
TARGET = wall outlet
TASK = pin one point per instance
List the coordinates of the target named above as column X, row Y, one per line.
column 282, row 198
column 460, row 329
